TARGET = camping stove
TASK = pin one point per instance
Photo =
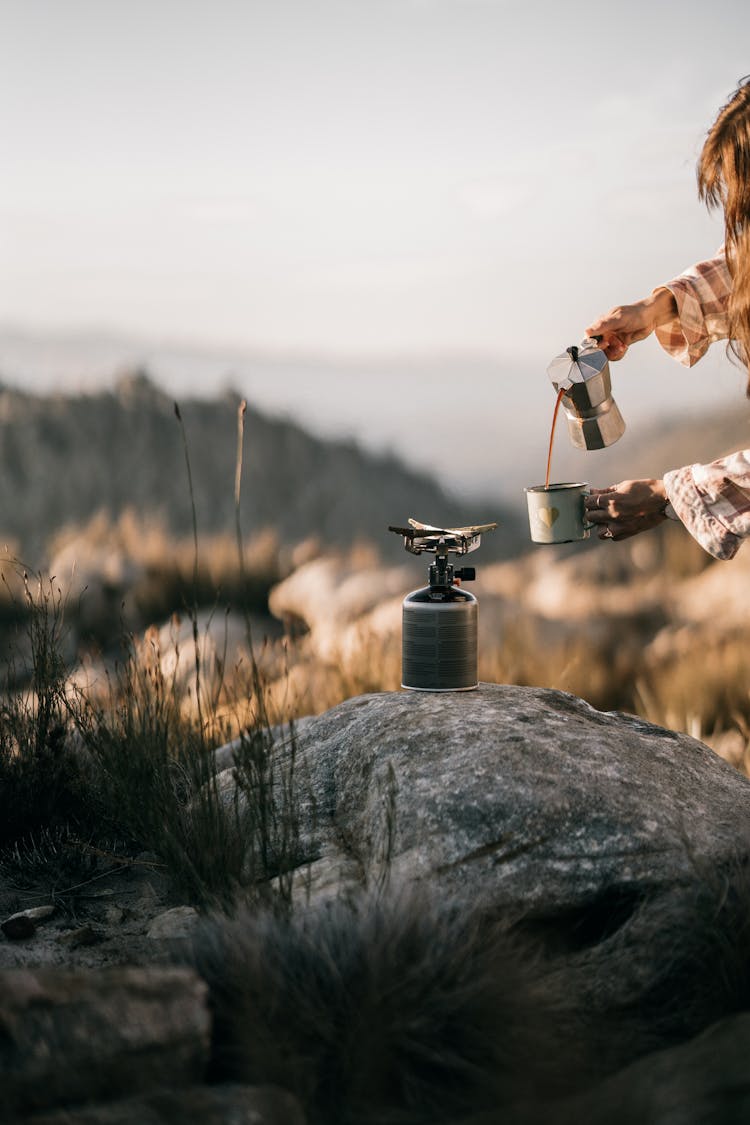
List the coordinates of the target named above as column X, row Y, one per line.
column 439, row 632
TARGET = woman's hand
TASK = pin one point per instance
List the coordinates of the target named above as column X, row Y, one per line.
column 627, row 508
column 625, row 324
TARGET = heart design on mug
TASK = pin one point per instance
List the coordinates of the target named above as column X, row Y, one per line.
column 548, row 516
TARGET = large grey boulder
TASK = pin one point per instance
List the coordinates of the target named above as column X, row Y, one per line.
column 702, row 1082
column 599, row 864
column 616, row 844
column 527, row 797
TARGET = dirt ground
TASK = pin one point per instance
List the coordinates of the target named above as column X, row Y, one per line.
column 101, row 916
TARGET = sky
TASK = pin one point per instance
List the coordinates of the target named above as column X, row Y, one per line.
column 356, row 182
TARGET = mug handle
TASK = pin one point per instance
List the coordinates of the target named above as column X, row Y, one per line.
column 586, row 525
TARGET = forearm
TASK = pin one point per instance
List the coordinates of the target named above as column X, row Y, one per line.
column 626, row 324
column 660, row 307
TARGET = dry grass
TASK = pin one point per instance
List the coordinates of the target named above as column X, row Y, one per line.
column 571, row 664
column 134, row 762
column 130, row 572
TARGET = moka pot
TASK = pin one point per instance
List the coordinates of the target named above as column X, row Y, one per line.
column 593, row 417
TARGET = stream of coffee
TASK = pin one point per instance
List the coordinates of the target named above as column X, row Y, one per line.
column 560, row 394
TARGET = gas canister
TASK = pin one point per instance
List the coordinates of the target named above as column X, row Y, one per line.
column 439, row 625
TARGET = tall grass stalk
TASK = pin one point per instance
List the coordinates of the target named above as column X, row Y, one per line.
column 194, row 605
column 266, row 777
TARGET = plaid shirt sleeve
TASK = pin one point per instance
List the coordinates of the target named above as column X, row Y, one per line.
column 702, row 296
column 713, row 501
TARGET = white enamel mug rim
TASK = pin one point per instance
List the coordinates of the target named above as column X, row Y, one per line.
column 560, row 485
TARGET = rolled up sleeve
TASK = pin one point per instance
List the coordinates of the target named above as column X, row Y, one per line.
column 713, row 502
column 702, row 296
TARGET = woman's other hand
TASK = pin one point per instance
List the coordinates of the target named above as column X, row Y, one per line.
column 625, row 324
column 627, row 508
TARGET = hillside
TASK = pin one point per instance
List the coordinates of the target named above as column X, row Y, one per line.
column 65, row 458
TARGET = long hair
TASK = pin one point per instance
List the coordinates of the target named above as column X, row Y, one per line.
column 724, row 181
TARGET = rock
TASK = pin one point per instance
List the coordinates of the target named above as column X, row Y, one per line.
column 94, row 575
column 38, row 913
column 79, row 1036
column 176, row 924
column 115, row 915
column 702, row 1082
column 81, row 936
column 222, row 639
column 280, row 735
column 330, row 593
column 147, row 858
column 19, row 927
column 334, row 873
column 526, row 795
column 23, row 924
column 202, row 1105
column 573, row 591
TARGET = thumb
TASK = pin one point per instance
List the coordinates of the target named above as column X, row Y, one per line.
column 613, row 345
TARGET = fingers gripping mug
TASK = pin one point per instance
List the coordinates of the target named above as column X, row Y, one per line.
column 556, row 512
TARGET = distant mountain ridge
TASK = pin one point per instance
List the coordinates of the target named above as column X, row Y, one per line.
column 63, row 458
